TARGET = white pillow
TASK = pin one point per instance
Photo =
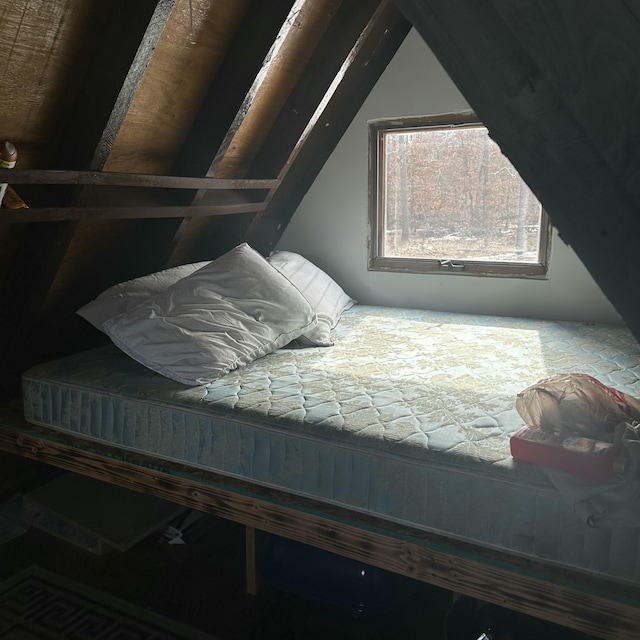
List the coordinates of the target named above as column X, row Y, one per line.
column 126, row 295
column 228, row 313
column 323, row 293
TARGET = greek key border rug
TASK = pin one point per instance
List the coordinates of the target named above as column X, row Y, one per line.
column 39, row 605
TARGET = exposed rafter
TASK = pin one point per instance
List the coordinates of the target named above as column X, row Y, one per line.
column 350, row 54
column 379, row 38
column 281, row 69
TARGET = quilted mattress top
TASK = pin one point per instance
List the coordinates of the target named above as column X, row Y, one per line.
column 411, row 383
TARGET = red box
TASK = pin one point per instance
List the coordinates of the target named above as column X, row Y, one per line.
column 586, row 457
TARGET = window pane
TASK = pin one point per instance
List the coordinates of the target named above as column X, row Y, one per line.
column 450, row 194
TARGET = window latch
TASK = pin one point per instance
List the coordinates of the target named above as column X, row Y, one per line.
column 450, row 265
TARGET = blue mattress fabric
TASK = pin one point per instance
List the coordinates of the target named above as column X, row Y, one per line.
column 407, row 417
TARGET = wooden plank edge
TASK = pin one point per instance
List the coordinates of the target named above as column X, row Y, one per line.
column 57, row 214
column 146, row 48
column 565, row 604
column 251, row 563
column 118, row 179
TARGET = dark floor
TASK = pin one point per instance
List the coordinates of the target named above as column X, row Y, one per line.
column 199, row 585
column 306, row 596
column 202, row 584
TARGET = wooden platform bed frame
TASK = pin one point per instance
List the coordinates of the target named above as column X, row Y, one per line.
column 567, row 598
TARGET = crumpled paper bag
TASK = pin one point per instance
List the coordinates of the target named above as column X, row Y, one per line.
column 578, row 404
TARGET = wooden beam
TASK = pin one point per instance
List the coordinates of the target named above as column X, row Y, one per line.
column 605, row 609
column 110, row 178
column 291, row 131
column 127, row 42
column 221, row 104
column 382, row 29
column 231, row 85
column 557, row 85
column 115, row 212
column 352, row 19
column 280, row 70
column 132, row 72
column 55, row 214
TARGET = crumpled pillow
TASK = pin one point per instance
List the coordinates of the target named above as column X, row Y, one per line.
column 224, row 315
column 324, row 294
column 126, row 295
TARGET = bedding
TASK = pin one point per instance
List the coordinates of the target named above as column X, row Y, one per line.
column 231, row 311
column 406, row 418
column 196, row 322
column 324, row 294
column 126, row 295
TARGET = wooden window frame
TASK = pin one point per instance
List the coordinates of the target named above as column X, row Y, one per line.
column 379, row 262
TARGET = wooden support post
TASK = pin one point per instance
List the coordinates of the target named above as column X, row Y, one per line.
column 250, row 560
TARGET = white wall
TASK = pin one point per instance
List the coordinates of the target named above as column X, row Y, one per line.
column 330, row 225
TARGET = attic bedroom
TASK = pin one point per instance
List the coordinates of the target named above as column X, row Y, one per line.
column 188, row 283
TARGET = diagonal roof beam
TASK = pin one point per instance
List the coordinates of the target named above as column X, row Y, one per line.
column 575, row 145
column 304, row 26
column 136, row 27
column 285, row 63
column 91, row 130
column 291, row 136
column 376, row 45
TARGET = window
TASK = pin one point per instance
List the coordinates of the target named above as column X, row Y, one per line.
column 443, row 198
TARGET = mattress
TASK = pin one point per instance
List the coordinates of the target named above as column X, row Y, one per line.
column 407, row 417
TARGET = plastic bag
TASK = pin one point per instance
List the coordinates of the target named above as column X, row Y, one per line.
column 576, row 404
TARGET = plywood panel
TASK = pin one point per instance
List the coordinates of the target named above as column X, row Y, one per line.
column 294, row 46
column 44, row 49
column 597, row 76
column 183, row 66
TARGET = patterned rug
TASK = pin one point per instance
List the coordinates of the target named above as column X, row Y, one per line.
column 38, row 605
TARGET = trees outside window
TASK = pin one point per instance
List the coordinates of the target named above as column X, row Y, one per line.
column 443, row 198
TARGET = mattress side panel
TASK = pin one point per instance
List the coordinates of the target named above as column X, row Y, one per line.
column 407, row 417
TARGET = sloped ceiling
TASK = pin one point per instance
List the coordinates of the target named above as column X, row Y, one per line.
column 122, row 92
column 157, row 132
column 557, row 83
